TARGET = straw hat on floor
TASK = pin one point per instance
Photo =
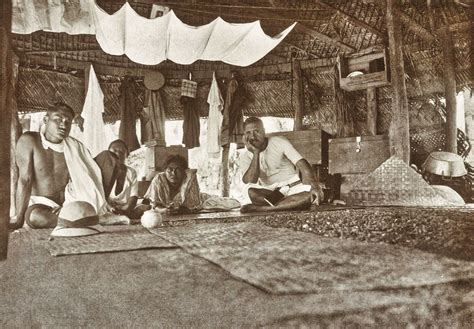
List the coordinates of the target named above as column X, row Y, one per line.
column 77, row 218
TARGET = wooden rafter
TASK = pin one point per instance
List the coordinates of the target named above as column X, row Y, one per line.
column 352, row 19
column 325, row 38
column 292, row 45
column 175, row 74
column 414, row 27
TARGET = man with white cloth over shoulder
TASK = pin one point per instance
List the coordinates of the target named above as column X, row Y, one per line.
column 270, row 169
column 55, row 169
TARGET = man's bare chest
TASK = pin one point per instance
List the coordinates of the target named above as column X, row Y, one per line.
column 51, row 165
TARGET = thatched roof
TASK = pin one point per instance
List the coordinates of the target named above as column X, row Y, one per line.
column 52, row 64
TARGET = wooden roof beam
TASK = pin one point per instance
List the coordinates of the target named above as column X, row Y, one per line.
column 291, row 45
column 352, row 19
column 325, row 38
column 172, row 74
column 414, row 27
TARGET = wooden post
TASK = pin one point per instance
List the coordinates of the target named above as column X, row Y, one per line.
column 469, row 115
column 298, row 95
column 225, row 187
column 372, row 106
column 15, row 133
column 449, row 75
column 6, row 95
column 399, row 135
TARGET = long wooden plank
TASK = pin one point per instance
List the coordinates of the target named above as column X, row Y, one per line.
column 6, row 95
column 372, row 110
column 449, row 76
column 399, row 126
column 298, row 95
column 355, row 21
column 171, row 74
column 323, row 37
column 415, row 28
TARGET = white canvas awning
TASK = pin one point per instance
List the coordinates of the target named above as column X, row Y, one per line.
column 148, row 41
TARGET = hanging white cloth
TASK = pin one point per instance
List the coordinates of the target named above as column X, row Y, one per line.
column 85, row 182
column 70, row 16
column 216, row 104
column 93, row 136
column 150, row 41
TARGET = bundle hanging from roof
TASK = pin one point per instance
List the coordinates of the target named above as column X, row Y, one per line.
column 150, row 41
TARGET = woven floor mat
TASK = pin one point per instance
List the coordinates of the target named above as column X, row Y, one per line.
column 114, row 238
column 284, row 261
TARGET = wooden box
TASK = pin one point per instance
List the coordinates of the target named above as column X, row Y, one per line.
column 312, row 144
column 357, row 155
column 375, row 69
column 156, row 156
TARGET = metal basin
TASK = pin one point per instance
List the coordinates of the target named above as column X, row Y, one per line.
column 444, row 164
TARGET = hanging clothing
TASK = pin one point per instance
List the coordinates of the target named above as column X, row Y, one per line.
column 152, row 118
column 128, row 115
column 233, row 120
column 93, row 136
column 191, row 128
column 214, row 122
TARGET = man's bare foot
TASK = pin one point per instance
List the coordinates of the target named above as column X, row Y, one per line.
column 41, row 216
column 247, row 208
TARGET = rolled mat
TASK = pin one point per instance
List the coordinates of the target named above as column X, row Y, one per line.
column 113, row 239
column 283, row 261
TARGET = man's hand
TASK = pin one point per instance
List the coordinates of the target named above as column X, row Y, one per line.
column 250, row 147
column 317, row 195
column 110, row 208
column 56, row 210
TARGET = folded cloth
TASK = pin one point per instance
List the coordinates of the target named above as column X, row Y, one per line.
column 288, row 187
column 217, row 203
column 37, row 199
column 85, row 182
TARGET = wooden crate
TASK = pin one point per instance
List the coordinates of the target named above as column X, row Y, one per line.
column 375, row 69
column 344, row 157
column 312, row 144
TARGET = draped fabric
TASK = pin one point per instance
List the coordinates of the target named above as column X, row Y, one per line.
column 152, row 118
column 233, row 121
column 216, row 104
column 128, row 114
column 85, row 183
column 93, row 136
column 148, row 41
column 191, row 128
column 71, row 16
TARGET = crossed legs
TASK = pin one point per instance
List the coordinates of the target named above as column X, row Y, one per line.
column 298, row 201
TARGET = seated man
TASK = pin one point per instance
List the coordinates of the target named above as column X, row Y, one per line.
column 124, row 194
column 55, row 168
column 272, row 163
column 176, row 190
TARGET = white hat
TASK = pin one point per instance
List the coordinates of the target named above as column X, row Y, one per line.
column 77, row 218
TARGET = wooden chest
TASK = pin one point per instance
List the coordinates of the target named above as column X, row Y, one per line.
column 357, row 155
column 312, row 144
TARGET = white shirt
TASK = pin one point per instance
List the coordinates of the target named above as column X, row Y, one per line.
column 130, row 188
column 277, row 161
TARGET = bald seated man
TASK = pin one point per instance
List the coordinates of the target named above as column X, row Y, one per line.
column 44, row 173
column 270, row 169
